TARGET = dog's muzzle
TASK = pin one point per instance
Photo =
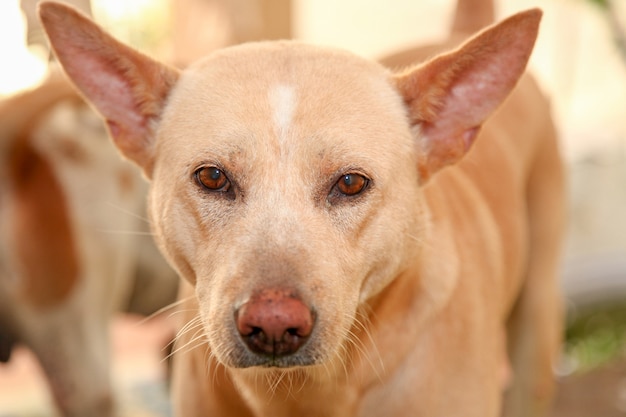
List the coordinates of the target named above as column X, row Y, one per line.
column 274, row 323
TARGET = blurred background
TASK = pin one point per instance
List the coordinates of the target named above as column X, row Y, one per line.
column 580, row 61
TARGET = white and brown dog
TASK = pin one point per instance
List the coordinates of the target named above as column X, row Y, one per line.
column 333, row 267
column 73, row 241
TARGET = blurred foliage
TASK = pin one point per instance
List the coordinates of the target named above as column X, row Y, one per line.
column 602, row 3
column 144, row 24
column 615, row 22
column 597, row 337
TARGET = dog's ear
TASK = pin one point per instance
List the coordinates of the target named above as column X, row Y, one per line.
column 126, row 87
column 450, row 96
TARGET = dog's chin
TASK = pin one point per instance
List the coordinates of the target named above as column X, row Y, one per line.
column 241, row 357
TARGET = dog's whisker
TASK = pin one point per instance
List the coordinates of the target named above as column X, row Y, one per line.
column 288, row 383
column 256, row 380
column 192, row 324
column 273, row 380
column 365, row 328
column 294, row 378
column 164, row 309
column 198, row 339
column 297, row 380
column 126, row 232
column 198, row 335
column 344, row 357
column 267, row 383
column 415, row 238
column 418, row 235
column 285, row 380
column 358, row 343
column 177, row 312
column 324, row 367
column 211, row 365
column 128, row 212
column 187, row 346
column 304, row 378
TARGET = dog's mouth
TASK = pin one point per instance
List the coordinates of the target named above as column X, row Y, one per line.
column 295, row 360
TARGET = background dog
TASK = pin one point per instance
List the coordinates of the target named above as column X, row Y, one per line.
column 74, row 242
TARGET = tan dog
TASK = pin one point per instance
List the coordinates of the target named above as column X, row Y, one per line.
column 71, row 243
column 333, row 267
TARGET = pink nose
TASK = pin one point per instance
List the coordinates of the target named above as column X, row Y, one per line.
column 274, row 322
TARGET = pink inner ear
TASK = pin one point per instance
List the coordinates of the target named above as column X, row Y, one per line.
column 126, row 87
column 452, row 95
column 104, row 85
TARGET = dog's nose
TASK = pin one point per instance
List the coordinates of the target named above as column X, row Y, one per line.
column 274, row 322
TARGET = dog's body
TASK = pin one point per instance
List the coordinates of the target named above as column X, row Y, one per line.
column 333, row 268
column 70, row 215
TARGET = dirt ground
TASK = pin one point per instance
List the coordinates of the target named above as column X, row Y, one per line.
column 138, row 373
column 599, row 393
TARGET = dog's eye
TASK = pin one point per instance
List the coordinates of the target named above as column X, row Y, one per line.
column 352, row 184
column 213, row 179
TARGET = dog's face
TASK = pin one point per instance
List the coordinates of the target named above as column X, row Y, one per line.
column 296, row 172
column 286, row 178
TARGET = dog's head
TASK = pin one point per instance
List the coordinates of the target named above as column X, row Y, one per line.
column 285, row 177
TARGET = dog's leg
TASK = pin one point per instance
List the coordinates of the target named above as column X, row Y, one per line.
column 71, row 345
column 536, row 321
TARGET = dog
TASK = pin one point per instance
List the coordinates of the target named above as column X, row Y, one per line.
column 72, row 243
column 353, row 241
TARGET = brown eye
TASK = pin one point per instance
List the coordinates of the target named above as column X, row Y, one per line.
column 351, row 184
column 213, row 179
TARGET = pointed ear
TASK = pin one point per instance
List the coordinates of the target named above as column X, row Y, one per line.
column 451, row 96
column 126, row 87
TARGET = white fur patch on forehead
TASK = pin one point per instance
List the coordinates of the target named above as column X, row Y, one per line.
column 282, row 99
